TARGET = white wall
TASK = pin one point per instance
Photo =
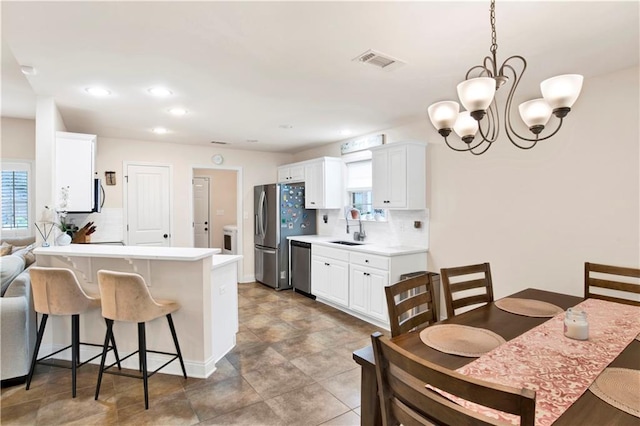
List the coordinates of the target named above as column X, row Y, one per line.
column 538, row 215
column 18, row 141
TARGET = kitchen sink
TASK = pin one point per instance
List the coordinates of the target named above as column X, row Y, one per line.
column 347, row 243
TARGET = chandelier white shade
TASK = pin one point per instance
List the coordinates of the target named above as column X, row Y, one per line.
column 444, row 114
column 466, row 126
column 477, row 94
column 562, row 91
column 536, row 112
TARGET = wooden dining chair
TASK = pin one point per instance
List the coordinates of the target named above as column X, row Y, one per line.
column 469, row 281
column 404, row 399
column 405, row 314
column 611, row 281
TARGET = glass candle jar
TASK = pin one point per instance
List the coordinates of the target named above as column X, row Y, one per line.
column 576, row 325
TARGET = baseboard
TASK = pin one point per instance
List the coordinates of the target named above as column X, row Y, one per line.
column 14, row 381
column 248, row 279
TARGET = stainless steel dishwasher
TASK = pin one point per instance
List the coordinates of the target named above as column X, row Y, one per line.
column 301, row 267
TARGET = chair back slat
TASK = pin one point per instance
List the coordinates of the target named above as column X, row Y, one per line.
column 609, row 283
column 402, row 379
column 464, row 284
column 419, row 291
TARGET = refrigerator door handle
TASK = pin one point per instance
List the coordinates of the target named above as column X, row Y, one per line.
column 257, row 225
column 268, row 251
column 261, row 212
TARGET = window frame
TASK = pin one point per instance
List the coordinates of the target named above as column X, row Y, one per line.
column 21, row 166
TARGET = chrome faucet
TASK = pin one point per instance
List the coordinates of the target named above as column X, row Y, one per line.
column 359, row 235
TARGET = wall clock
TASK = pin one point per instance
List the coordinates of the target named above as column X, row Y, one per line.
column 217, row 159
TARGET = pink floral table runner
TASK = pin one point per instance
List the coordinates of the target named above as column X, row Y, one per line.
column 558, row 368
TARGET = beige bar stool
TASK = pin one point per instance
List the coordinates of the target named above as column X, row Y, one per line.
column 125, row 297
column 56, row 291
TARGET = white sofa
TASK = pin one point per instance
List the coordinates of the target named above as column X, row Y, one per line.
column 17, row 320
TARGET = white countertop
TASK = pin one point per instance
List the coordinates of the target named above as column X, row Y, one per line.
column 361, row 248
column 129, row 252
column 219, row 260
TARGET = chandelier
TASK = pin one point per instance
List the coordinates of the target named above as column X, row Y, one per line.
column 477, row 95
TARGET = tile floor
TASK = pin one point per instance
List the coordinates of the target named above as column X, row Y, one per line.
column 292, row 366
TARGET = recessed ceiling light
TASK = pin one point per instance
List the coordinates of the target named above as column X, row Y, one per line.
column 178, row 111
column 160, row 91
column 345, row 132
column 286, row 126
column 97, row 91
column 28, row 70
column 159, row 130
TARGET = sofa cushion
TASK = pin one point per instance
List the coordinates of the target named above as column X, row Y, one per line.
column 26, row 253
column 5, row 249
column 20, row 242
column 10, row 267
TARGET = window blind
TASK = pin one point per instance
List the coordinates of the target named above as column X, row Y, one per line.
column 15, row 199
column 359, row 175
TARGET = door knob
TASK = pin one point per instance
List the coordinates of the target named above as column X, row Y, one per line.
column 166, row 235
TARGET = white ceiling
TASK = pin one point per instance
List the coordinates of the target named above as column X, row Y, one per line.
column 243, row 69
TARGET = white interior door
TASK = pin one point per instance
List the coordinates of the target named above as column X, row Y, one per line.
column 201, row 212
column 148, row 205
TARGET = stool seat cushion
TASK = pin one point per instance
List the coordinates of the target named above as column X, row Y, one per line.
column 56, row 291
column 126, row 297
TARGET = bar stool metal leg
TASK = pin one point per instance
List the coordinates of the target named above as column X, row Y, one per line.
column 115, row 348
column 104, row 354
column 75, row 337
column 75, row 355
column 142, row 338
column 175, row 342
column 43, row 323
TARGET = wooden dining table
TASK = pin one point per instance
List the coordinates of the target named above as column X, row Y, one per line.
column 588, row 409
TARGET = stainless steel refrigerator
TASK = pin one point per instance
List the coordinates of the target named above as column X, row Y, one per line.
column 278, row 213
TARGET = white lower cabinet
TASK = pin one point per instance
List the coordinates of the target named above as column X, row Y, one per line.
column 366, row 292
column 330, row 275
column 354, row 281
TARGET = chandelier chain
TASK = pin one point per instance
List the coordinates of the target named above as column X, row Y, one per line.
column 494, row 37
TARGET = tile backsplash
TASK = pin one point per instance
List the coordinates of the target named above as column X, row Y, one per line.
column 398, row 230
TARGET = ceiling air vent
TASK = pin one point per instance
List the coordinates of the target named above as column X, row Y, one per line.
column 219, row 142
column 379, row 60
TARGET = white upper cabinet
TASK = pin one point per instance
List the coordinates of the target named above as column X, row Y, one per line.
column 75, row 167
column 291, row 173
column 399, row 176
column 323, row 179
column 324, row 183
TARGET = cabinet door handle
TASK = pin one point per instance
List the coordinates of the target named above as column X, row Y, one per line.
column 366, row 261
column 327, row 264
column 166, row 235
column 206, row 229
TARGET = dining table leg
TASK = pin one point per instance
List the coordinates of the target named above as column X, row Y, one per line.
column 370, row 404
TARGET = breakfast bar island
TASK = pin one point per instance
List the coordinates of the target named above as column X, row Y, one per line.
column 202, row 281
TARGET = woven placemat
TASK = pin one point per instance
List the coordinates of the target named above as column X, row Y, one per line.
column 619, row 387
column 528, row 307
column 461, row 340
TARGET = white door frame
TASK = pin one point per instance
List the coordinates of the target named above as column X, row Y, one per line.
column 125, row 193
column 239, row 208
